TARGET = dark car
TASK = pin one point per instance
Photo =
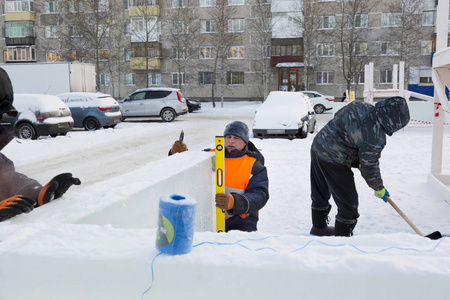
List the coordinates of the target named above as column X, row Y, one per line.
column 193, row 104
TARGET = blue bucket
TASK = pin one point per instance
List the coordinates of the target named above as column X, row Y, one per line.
column 176, row 221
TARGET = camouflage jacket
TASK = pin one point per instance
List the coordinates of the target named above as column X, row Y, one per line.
column 356, row 136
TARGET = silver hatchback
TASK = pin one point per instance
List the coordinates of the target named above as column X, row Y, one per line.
column 166, row 103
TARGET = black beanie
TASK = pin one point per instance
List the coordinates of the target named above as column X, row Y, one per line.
column 239, row 129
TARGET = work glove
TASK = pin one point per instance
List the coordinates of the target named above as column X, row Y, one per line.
column 15, row 206
column 382, row 194
column 178, row 147
column 225, row 201
column 56, row 187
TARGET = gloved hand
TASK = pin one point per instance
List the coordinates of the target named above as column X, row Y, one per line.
column 56, row 187
column 14, row 206
column 382, row 194
column 225, row 201
column 178, row 147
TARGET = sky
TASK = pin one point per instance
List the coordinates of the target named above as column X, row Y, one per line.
column 70, row 259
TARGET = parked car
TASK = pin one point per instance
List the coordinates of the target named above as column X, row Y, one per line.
column 92, row 111
column 38, row 115
column 193, row 104
column 166, row 103
column 284, row 114
column 320, row 102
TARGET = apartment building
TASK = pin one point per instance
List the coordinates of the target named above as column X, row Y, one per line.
column 230, row 49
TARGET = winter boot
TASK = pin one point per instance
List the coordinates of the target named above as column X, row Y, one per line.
column 344, row 227
column 320, row 222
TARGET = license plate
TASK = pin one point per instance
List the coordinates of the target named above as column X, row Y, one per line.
column 63, row 125
column 116, row 120
column 275, row 131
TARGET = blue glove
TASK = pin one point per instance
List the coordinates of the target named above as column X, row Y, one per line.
column 382, row 194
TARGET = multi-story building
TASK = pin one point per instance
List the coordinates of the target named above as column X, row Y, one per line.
column 230, row 49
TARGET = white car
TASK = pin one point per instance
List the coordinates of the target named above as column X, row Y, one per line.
column 320, row 102
column 166, row 103
column 284, row 114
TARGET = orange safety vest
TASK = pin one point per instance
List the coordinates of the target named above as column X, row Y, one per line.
column 238, row 172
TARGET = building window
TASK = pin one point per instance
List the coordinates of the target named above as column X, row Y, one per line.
column 207, row 26
column 266, row 1
column 267, row 24
column 127, row 54
column 75, row 6
column 53, row 55
column 358, row 78
column 325, row 77
column 130, row 79
column 75, row 55
column 103, row 30
column 327, row 22
column 75, row 31
column 236, row 2
column 50, row 32
column 105, row 79
column 361, row 21
column 206, row 3
column 235, row 78
column 208, row 52
column 428, row 18
column 425, row 76
column 266, row 51
column 385, row 76
column 325, row 50
column 236, row 52
column 127, row 29
column 179, row 3
column 20, row 54
column 426, row 47
column 391, row 19
column 50, row 7
column 154, row 79
column 389, row 48
column 103, row 5
column 19, row 6
column 143, row 2
column 178, row 78
column 179, row 27
column 206, row 78
column 19, row 29
column 361, row 49
column 142, row 51
column 103, row 55
column 178, row 53
column 286, row 50
column 236, row 25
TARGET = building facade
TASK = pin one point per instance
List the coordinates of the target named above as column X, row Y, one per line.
column 226, row 49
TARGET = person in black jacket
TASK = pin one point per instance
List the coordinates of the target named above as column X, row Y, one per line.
column 354, row 138
column 19, row 193
column 246, row 180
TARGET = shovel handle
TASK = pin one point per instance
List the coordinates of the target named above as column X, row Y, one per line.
column 403, row 216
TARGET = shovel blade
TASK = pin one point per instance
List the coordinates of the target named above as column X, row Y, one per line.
column 434, row 236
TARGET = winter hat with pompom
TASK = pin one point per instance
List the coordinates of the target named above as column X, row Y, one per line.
column 239, row 129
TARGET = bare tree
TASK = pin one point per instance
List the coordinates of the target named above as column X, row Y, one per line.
column 145, row 33
column 185, row 39
column 406, row 23
column 352, row 29
column 260, row 28
column 222, row 40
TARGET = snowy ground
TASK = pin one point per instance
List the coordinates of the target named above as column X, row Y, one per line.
column 384, row 260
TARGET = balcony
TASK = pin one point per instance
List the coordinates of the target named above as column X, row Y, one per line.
column 20, row 16
column 20, row 41
column 144, row 11
column 139, row 63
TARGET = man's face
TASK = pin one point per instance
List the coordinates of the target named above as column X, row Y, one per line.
column 233, row 142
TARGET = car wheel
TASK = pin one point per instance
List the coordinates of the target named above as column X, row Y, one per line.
column 319, row 109
column 26, row 131
column 91, row 124
column 168, row 115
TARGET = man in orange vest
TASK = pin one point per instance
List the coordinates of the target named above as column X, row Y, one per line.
column 246, row 181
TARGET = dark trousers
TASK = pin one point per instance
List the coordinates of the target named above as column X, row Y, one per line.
column 243, row 224
column 334, row 180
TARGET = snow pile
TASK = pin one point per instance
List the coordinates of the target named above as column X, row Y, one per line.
column 50, row 254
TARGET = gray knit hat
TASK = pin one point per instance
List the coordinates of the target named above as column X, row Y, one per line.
column 239, row 129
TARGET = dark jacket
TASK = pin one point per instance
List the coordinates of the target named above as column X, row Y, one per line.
column 356, row 136
column 256, row 193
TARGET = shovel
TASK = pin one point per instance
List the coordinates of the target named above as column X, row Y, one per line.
column 434, row 236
